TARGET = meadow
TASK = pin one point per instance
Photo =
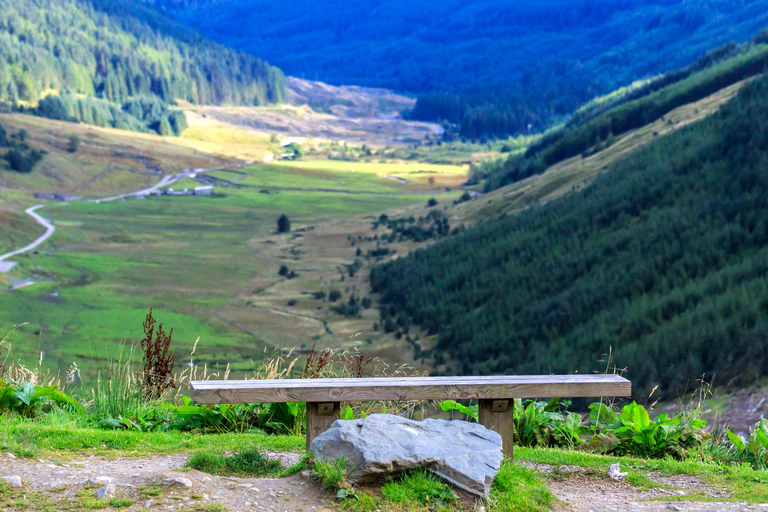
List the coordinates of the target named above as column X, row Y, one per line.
column 208, row 265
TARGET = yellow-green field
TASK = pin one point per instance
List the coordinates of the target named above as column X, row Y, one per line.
column 415, row 173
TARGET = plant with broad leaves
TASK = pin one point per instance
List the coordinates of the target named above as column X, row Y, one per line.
column 755, row 448
column 452, row 405
column 26, row 399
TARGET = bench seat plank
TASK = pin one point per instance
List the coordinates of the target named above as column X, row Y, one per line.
column 409, row 388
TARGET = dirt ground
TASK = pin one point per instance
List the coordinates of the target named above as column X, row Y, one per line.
column 582, row 490
column 133, row 477
column 578, row 489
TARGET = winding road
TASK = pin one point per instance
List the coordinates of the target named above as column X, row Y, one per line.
column 50, row 229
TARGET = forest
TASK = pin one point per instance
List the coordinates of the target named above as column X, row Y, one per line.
column 663, row 260
column 598, row 126
column 493, row 67
column 118, row 51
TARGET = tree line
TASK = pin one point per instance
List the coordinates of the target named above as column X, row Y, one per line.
column 664, row 259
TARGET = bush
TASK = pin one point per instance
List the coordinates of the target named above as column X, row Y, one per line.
column 73, row 144
column 283, row 224
column 23, row 161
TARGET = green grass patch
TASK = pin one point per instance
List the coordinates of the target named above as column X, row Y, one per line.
column 332, row 474
column 245, row 463
column 419, row 487
column 30, row 439
column 519, row 488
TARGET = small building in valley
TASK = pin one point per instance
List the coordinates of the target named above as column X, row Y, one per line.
column 206, row 190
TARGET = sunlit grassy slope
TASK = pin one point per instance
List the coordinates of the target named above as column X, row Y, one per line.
column 577, row 172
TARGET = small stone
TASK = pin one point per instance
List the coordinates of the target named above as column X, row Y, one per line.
column 107, row 492
column 481, row 509
column 147, row 503
column 206, row 497
column 614, row 471
column 680, row 493
column 178, row 482
column 13, row 480
column 10, row 456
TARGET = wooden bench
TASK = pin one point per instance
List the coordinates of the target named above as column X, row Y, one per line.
column 494, row 394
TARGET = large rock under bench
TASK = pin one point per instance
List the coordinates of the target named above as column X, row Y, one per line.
column 465, row 454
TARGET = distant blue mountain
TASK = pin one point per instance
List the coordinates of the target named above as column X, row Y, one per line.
column 529, row 62
column 450, row 45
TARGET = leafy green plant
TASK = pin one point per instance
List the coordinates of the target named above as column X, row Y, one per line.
column 452, row 405
column 26, row 399
column 349, row 413
column 754, row 449
column 541, row 423
column 277, row 418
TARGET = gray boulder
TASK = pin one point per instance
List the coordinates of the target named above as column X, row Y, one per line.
column 465, row 454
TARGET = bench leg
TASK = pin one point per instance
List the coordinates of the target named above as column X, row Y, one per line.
column 497, row 415
column 320, row 417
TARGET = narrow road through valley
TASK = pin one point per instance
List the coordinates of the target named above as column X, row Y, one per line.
column 49, row 230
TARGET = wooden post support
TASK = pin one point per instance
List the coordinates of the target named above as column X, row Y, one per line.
column 497, row 415
column 320, row 416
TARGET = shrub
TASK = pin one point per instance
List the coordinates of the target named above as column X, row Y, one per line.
column 73, row 144
column 283, row 224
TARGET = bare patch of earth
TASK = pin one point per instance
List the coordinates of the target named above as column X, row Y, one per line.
column 159, row 483
column 582, row 489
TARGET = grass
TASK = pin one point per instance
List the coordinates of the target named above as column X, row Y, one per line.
column 419, row 488
column 36, row 439
column 742, row 483
column 417, row 173
column 244, row 463
column 332, row 475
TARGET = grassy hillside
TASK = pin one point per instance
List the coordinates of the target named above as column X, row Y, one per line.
column 534, row 61
column 662, row 258
column 122, row 52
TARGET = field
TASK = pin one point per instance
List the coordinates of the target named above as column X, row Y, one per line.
column 208, row 265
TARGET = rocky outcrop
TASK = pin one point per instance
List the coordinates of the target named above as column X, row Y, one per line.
column 465, row 454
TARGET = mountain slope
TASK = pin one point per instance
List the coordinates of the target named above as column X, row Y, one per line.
column 664, row 259
column 538, row 60
column 117, row 50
